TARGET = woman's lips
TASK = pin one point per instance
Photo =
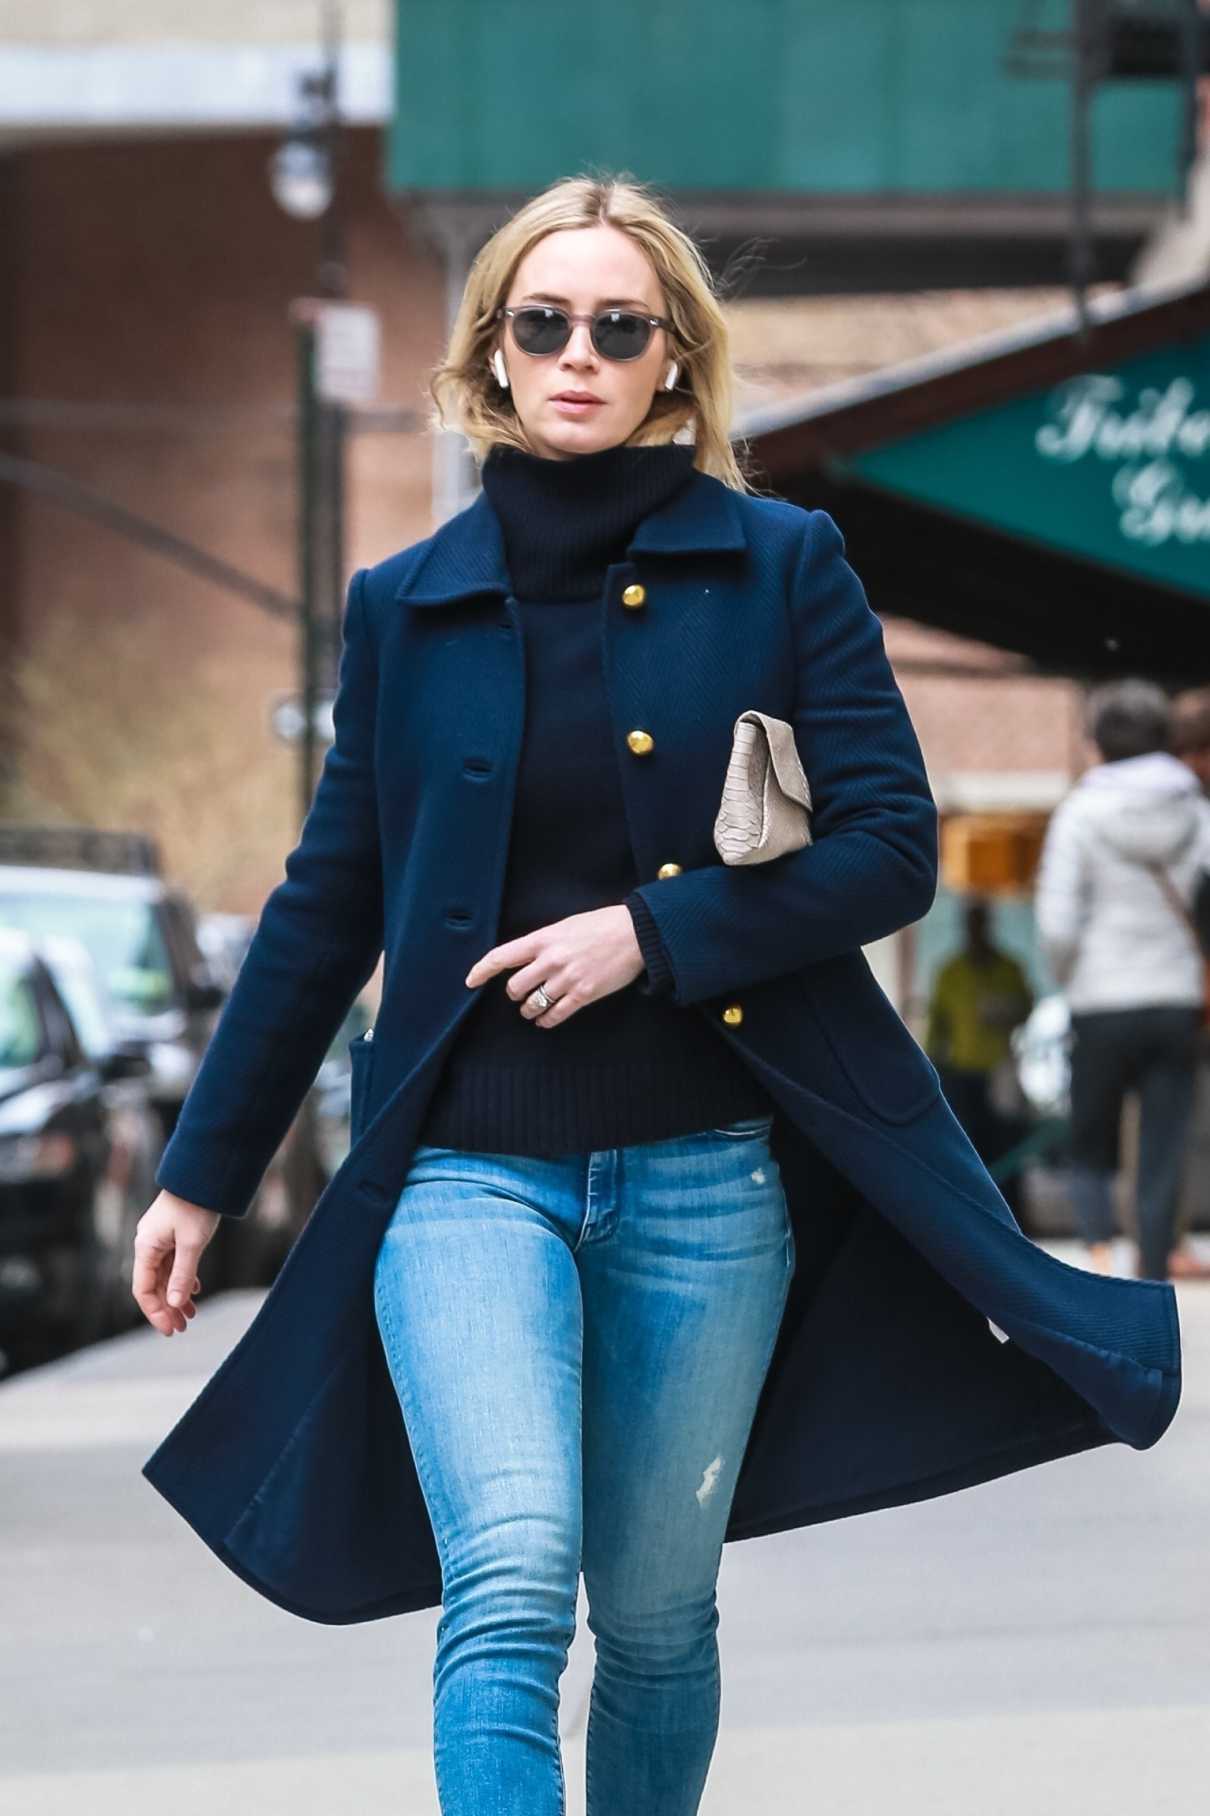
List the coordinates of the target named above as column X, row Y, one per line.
column 576, row 406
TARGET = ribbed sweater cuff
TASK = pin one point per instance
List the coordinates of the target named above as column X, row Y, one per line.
column 659, row 979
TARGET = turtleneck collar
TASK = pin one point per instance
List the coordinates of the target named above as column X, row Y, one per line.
column 564, row 521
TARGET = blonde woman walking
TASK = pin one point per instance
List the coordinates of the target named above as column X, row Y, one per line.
column 656, row 1229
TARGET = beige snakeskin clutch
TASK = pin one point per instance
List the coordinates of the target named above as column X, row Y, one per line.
column 766, row 804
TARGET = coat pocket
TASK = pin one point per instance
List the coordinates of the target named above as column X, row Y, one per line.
column 869, row 1039
column 361, row 1062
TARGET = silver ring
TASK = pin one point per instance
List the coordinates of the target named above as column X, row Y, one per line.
column 540, row 997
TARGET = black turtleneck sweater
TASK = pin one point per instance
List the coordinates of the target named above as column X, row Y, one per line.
column 631, row 1066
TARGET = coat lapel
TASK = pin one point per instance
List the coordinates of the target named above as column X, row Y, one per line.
column 466, row 556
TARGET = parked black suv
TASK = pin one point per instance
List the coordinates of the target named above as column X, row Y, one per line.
column 78, row 1150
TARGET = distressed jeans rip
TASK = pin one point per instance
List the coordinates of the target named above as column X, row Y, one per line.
column 709, row 1481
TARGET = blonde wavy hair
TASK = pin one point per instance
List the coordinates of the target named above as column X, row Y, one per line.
column 465, row 397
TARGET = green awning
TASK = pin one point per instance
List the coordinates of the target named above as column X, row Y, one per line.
column 862, row 98
column 1040, row 491
column 1112, row 464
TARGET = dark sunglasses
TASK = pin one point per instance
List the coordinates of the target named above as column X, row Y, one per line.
column 539, row 328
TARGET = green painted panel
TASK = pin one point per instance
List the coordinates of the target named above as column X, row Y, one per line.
column 840, row 96
column 1113, row 465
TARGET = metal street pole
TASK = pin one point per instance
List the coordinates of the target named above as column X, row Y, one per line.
column 332, row 285
column 321, row 441
column 1085, row 41
column 309, row 492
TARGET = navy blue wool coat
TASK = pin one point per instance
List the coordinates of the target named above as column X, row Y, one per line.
column 927, row 1343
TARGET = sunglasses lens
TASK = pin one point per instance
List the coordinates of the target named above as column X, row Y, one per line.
column 617, row 335
column 540, row 330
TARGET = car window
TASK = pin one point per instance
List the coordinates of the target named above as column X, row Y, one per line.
column 181, row 930
column 123, row 937
column 20, row 1024
column 85, row 1007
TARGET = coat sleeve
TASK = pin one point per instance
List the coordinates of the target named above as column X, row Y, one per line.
column 872, row 865
column 316, row 944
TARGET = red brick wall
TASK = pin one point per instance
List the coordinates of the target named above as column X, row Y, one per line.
column 160, row 274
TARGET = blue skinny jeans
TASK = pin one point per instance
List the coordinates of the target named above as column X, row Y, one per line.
column 578, row 1345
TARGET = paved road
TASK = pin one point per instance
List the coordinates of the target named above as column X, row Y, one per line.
column 1039, row 1644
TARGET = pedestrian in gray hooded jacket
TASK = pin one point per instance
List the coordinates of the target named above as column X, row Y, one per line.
column 1126, row 959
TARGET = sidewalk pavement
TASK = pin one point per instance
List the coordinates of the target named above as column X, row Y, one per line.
column 1037, row 1644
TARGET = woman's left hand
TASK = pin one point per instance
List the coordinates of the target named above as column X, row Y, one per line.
column 578, row 959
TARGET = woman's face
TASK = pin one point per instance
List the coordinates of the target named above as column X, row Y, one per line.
column 584, row 270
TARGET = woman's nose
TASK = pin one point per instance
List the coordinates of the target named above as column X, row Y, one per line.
column 579, row 346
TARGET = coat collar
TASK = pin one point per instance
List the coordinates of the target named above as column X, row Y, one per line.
column 466, row 554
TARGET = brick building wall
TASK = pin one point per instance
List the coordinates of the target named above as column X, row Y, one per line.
column 154, row 280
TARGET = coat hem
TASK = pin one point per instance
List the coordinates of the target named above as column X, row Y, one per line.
column 1071, row 1440
column 1083, row 1434
column 406, row 1602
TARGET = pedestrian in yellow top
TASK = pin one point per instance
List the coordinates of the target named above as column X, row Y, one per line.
column 979, row 996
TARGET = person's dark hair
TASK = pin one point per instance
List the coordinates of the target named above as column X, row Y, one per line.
column 1127, row 718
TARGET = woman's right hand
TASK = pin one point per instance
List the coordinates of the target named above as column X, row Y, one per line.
column 168, row 1243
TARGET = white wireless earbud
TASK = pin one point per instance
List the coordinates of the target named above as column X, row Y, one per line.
column 498, row 368
column 671, row 378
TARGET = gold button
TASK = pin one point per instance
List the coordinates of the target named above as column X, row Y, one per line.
column 640, row 742
column 733, row 1015
column 669, row 870
column 634, row 595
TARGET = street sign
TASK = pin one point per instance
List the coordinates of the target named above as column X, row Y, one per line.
column 347, row 340
column 287, row 717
